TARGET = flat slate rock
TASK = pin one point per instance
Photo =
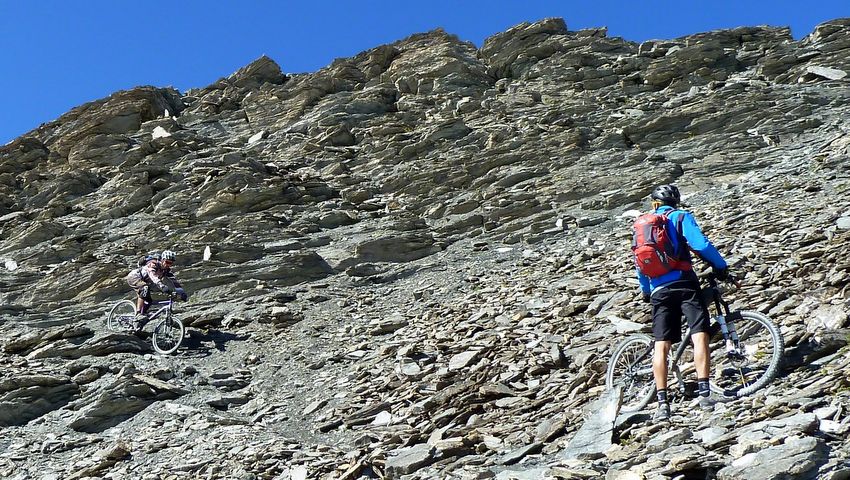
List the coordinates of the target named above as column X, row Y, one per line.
column 594, row 437
column 798, row 457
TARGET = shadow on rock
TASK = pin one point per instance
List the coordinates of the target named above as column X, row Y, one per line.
column 201, row 344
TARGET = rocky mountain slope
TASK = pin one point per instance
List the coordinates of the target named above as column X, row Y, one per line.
column 419, row 260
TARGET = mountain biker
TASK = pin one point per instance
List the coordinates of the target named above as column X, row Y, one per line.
column 155, row 271
column 678, row 292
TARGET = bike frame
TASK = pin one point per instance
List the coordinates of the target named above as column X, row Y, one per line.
column 166, row 307
column 721, row 307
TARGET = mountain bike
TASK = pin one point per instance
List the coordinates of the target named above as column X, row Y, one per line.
column 745, row 348
column 167, row 334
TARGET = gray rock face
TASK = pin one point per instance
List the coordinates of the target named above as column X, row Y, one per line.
column 796, row 458
column 98, row 345
column 27, row 397
column 414, row 262
column 408, row 460
column 118, row 401
column 402, row 248
column 594, row 437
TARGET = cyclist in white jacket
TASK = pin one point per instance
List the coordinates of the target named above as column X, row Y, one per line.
column 154, row 272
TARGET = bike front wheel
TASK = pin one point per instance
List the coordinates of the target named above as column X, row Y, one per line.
column 168, row 335
column 630, row 367
column 750, row 365
column 121, row 316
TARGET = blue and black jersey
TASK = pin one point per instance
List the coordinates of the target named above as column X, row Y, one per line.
column 685, row 225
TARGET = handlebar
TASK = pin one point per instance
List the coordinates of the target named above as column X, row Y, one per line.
column 730, row 278
column 173, row 295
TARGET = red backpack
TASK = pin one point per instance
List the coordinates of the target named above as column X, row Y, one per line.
column 653, row 248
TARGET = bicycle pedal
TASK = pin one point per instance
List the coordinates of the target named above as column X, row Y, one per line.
column 735, row 356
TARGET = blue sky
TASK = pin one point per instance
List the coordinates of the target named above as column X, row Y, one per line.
column 55, row 55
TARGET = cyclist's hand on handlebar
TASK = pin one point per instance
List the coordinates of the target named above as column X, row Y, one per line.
column 725, row 276
column 645, row 297
column 721, row 274
column 165, row 289
column 733, row 279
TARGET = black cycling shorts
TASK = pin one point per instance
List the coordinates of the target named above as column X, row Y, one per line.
column 673, row 300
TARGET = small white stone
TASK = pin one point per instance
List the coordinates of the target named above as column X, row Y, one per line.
column 207, row 253
column 10, row 265
column 298, row 472
column 833, row 427
column 256, row 137
column 383, row 418
column 462, row 360
column 160, row 132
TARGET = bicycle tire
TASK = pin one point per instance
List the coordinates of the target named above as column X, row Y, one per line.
column 637, row 380
column 121, row 316
column 763, row 348
column 168, row 335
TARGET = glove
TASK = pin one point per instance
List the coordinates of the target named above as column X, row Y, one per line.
column 165, row 288
column 721, row 274
column 182, row 293
column 645, row 297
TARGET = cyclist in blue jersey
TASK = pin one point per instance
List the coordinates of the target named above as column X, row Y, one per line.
column 678, row 292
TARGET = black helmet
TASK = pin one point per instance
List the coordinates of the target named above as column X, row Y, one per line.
column 667, row 194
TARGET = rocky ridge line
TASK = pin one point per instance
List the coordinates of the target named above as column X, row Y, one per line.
column 419, row 259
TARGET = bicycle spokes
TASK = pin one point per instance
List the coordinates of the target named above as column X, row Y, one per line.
column 631, row 369
column 168, row 335
column 121, row 316
column 746, row 363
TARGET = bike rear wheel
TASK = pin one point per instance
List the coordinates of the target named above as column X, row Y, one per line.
column 168, row 335
column 630, row 367
column 121, row 316
column 753, row 364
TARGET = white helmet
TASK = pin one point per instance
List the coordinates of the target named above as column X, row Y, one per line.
column 168, row 255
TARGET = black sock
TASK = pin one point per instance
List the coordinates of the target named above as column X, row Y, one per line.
column 662, row 395
column 702, row 384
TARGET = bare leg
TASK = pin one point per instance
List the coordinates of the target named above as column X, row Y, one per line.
column 140, row 304
column 659, row 363
column 701, row 358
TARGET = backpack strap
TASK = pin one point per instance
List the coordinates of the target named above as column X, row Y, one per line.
column 682, row 246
